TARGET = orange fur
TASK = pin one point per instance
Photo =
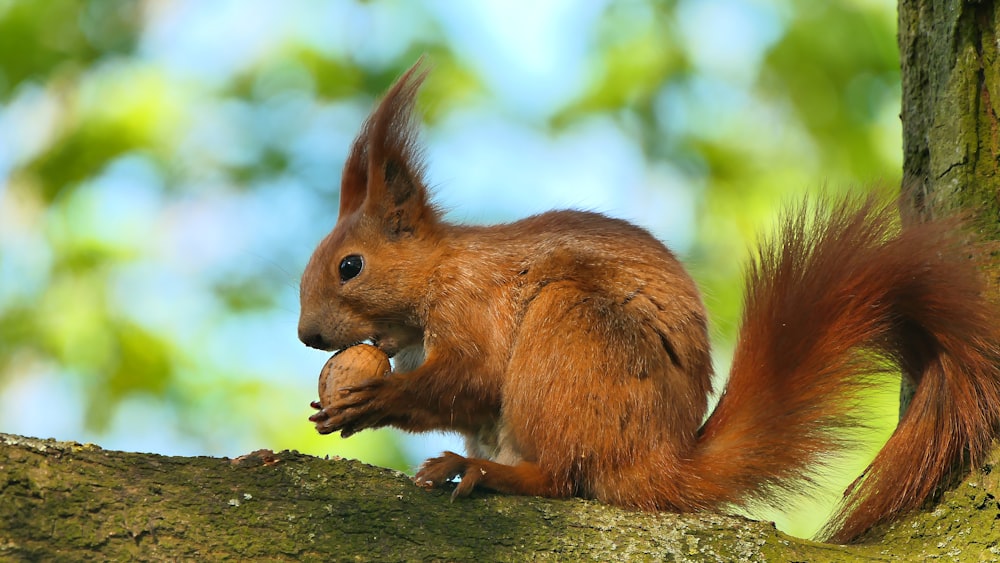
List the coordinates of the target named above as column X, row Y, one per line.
column 571, row 350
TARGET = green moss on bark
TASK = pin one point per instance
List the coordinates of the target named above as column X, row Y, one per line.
column 65, row 501
column 951, row 96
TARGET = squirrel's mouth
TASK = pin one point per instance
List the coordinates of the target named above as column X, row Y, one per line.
column 388, row 346
column 393, row 338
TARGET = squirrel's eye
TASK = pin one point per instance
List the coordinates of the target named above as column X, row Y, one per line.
column 350, row 267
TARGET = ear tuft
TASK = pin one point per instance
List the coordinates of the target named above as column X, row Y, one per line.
column 384, row 172
column 394, row 155
column 354, row 179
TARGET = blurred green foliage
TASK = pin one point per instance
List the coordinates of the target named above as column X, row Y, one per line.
column 59, row 39
column 818, row 107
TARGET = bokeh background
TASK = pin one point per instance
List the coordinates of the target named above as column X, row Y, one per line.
column 166, row 168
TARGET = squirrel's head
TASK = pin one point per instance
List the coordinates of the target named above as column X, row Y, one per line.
column 366, row 278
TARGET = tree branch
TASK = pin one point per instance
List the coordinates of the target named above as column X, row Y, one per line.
column 65, row 500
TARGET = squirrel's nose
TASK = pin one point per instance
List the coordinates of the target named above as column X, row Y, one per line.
column 313, row 340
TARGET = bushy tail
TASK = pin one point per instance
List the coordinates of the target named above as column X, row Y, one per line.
column 843, row 297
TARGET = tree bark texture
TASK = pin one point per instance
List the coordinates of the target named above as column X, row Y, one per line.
column 951, row 97
column 67, row 501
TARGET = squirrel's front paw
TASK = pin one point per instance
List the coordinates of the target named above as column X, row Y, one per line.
column 350, row 385
column 439, row 470
column 351, row 408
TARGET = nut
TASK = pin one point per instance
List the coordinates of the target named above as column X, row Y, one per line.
column 351, row 366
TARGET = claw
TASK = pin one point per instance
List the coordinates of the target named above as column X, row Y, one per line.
column 467, row 484
column 439, row 470
column 323, row 429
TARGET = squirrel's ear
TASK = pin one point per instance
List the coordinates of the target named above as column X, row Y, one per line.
column 388, row 146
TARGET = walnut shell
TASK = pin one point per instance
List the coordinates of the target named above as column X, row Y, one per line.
column 351, row 366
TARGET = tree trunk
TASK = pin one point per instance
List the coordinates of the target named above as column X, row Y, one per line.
column 951, row 94
column 66, row 501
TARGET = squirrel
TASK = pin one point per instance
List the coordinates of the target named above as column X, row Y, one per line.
column 571, row 349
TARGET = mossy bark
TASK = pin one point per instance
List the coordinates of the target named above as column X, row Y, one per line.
column 951, row 97
column 66, row 501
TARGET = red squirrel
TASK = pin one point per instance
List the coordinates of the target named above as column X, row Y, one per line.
column 571, row 349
